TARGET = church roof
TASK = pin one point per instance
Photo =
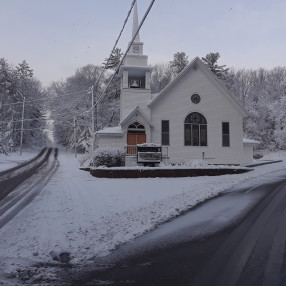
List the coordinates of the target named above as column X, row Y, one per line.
column 136, row 110
column 194, row 65
column 111, row 131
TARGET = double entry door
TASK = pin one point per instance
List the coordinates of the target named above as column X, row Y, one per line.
column 133, row 140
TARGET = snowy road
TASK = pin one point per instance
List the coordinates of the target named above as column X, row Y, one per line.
column 11, row 178
column 86, row 218
column 235, row 239
column 24, row 184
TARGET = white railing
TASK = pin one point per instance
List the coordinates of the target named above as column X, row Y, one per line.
column 131, row 150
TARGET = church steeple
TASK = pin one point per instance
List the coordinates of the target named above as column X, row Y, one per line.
column 135, row 75
column 135, row 23
column 137, row 46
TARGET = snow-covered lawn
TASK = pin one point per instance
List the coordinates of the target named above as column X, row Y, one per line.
column 13, row 159
column 88, row 217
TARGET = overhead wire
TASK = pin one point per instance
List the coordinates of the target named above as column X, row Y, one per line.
column 103, row 69
column 48, row 97
column 20, row 120
column 28, row 129
column 78, row 99
column 115, row 45
column 123, row 58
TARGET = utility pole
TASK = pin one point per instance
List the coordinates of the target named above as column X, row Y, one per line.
column 22, row 126
column 2, row 89
column 97, row 116
column 74, row 122
column 92, row 121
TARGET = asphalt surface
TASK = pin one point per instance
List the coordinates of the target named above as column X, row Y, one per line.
column 20, row 185
column 12, row 178
column 249, row 249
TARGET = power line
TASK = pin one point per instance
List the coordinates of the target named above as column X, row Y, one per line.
column 21, row 102
column 96, row 83
column 30, row 119
column 103, row 70
column 28, row 129
column 116, row 42
column 40, row 99
column 123, row 58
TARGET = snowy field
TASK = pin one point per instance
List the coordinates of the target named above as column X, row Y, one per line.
column 88, row 217
column 13, row 159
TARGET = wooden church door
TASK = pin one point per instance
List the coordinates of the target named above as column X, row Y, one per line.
column 135, row 135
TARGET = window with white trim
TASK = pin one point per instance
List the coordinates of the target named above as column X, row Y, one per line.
column 225, row 134
column 195, row 127
column 165, row 132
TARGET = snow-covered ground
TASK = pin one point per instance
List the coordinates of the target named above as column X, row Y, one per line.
column 13, row 159
column 88, row 217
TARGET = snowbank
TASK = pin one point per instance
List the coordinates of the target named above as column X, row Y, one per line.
column 88, row 217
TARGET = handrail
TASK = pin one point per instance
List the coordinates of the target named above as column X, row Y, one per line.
column 131, row 150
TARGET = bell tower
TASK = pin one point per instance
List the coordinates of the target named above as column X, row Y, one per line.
column 135, row 76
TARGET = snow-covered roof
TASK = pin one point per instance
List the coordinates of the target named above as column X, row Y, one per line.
column 250, row 141
column 111, row 131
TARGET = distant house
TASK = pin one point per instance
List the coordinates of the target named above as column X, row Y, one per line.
column 194, row 117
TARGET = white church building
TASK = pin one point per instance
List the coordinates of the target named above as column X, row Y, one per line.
column 193, row 117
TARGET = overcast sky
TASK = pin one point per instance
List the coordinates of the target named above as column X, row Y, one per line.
column 58, row 36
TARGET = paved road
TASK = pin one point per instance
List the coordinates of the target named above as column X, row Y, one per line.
column 250, row 250
column 11, row 178
column 20, row 185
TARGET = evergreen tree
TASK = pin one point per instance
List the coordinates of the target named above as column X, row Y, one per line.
column 113, row 61
column 211, row 61
column 15, row 85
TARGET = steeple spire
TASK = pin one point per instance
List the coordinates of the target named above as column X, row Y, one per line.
column 137, row 46
column 135, row 23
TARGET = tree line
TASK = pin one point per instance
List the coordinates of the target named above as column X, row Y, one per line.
column 22, row 107
column 262, row 92
column 71, row 106
column 66, row 106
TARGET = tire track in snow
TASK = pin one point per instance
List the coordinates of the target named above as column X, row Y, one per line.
column 20, row 198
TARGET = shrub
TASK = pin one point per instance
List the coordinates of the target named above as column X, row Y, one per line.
column 108, row 157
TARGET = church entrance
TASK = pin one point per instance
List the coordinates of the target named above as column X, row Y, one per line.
column 135, row 135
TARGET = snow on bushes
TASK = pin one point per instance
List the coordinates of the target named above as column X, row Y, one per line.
column 108, row 157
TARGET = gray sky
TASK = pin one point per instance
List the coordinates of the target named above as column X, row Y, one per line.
column 58, row 36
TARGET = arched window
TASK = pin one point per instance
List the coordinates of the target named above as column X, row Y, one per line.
column 195, row 130
column 136, row 128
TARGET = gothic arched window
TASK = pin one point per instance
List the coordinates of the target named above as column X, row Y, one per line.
column 136, row 128
column 195, row 130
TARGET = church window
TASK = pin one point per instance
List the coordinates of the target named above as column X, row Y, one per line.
column 195, row 127
column 136, row 128
column 225, row 134
column 165, row 132
column 195, row 98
